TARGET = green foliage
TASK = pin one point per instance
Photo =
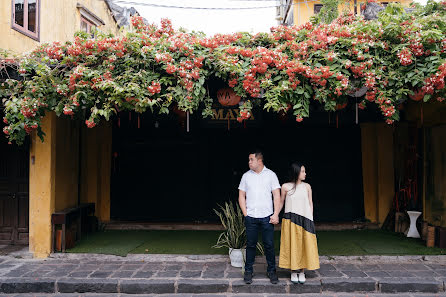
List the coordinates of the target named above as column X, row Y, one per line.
column 234, row 236
column 397, row 57
column 328, row 13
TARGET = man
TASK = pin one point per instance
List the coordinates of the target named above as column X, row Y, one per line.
column 256, row 203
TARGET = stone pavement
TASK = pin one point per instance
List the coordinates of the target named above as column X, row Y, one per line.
column 213, row 274
column 228, row 295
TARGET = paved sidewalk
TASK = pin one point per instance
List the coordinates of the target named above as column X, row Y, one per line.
column 158, row 274
column 228, row 295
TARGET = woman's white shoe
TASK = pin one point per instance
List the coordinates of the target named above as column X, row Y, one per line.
column 294, row 278
column 301, row 277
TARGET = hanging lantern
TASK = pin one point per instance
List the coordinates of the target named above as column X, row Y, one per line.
column 417, row 96
column 227, row 97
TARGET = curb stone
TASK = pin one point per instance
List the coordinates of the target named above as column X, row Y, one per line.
column 29, row 285
column 147, row 286
column 310, row 286
column 87, row 286
column 260, row 286
column 402, row 285
column 203, row 286
column 349, row 285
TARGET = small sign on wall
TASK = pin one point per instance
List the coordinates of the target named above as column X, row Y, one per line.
column 224, row 114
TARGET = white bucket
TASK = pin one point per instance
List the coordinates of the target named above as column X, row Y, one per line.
column 237, row 257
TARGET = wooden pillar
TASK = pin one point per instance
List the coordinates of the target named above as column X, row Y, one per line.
column 42, row 191
column 386, row 171
column 369, row 170
column 105, row 171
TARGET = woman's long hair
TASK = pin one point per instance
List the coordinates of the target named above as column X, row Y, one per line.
column 294, row 173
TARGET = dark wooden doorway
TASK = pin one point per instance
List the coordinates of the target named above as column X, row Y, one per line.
column 163, row 174
column 14, row 192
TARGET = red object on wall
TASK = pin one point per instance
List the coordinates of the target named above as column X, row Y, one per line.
column 227, row 97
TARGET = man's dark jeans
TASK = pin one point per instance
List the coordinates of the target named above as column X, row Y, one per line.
column 253, row 226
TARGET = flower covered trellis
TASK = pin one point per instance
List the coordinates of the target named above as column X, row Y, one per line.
column 153, row 68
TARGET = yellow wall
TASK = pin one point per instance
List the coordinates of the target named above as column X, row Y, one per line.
column 42, row 188
column 54, row 168
column 67, row 163
column 304, row 9
column 53, row 178
column 54, row 175
column 377, row 170
column 59, row 20
column 96, row 168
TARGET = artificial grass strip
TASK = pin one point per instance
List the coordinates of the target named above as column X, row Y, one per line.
column 180, row 242
column 330, row 243
column 110, row 243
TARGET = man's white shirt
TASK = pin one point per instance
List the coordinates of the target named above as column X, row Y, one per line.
column 258, row 188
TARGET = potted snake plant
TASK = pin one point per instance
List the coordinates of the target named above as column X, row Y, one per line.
column 234, row 235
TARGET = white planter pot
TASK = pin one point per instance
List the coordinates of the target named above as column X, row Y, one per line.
column 237, row 257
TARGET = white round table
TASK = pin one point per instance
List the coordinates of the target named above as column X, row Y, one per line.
column 412, row 231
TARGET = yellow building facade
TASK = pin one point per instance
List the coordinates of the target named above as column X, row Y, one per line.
column 54, row 175
column 303, row 10
column 74, row 164
column 50, row 20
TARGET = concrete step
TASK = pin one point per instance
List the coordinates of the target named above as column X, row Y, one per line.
column 218, row 286
column 221, row 295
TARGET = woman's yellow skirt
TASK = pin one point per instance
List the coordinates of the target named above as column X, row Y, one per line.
column 298, row 246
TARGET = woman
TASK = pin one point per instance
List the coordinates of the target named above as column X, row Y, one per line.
column 298, row 243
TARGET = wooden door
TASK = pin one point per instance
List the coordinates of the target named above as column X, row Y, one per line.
column 14, row 192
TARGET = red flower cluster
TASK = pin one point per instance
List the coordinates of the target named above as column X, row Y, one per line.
column 416, row 47
column 244, row 115
column 68, row 111
column 155, row 88
column 370, row 80
column 370, row 95
column 405, row 57
column 28, row 109
column 29, row 129
column 331, row 56
column 251, row 85
column 286, row 33
column 75, row 75
column 388, row 111
column 435, row 81
column 138, row 23
column 54, row 51
column 90, row 124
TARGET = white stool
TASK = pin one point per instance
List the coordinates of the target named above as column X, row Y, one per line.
column 412, row 231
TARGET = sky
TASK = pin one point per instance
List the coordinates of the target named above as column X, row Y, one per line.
column 212, row 21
